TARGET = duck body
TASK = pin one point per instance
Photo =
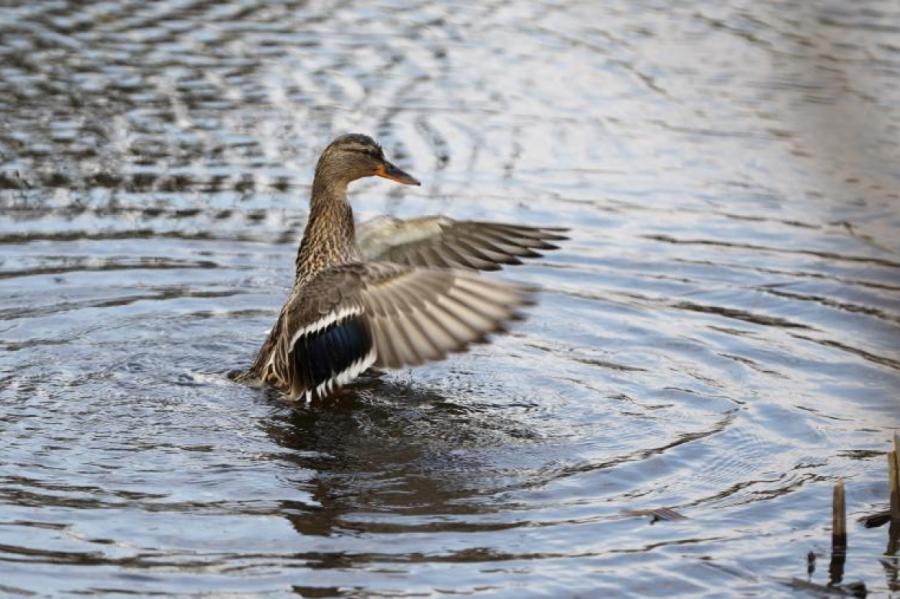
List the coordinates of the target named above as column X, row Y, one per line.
column 407, row 292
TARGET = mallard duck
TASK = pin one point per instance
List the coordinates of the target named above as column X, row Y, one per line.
column 399, row 294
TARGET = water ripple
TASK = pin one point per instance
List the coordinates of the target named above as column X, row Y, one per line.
column 717, row 340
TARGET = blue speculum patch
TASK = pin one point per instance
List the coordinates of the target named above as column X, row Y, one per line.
column 323, row 355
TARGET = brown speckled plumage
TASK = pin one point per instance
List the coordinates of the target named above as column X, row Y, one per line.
column 407, row 295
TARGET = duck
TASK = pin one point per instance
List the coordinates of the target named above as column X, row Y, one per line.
column 390, row 293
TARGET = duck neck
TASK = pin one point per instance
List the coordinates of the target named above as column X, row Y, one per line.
column 329, row 237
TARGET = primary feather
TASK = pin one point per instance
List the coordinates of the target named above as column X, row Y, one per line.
column 440, row 241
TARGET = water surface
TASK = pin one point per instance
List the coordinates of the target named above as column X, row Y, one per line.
column 720, row 336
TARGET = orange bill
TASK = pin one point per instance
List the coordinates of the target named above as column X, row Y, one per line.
column 389, row 171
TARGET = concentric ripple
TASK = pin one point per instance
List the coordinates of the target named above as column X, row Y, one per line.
column 716, row 344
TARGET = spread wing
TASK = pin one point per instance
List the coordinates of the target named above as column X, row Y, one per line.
column 355, row 316
column 439, row 241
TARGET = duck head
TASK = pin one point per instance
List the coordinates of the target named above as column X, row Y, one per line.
column 351, row 157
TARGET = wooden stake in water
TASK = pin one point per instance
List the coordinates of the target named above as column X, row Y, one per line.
column 894, row 491
column 838, row 535
column 838, row 519
column 894, row 481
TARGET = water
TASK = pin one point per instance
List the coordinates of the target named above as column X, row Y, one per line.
column 720, row 336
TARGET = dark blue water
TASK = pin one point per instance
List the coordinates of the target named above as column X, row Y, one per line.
column 720, row 336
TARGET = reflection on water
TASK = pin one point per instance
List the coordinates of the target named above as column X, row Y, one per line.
column 717, row 343
column 415, row 457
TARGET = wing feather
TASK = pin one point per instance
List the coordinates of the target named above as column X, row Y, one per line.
column 384, row 314
column 438, row 241
column 424, row 314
